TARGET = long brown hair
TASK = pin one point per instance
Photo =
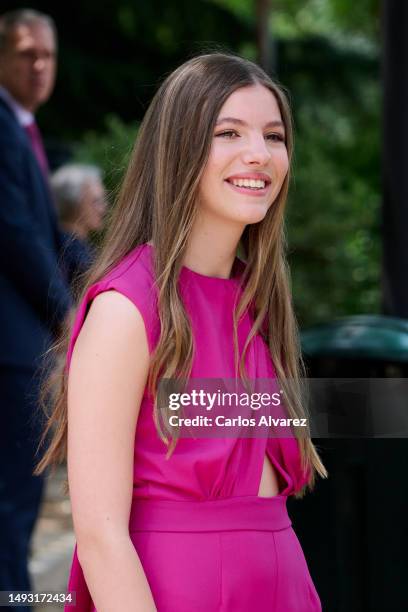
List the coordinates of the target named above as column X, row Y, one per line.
column 158, row 203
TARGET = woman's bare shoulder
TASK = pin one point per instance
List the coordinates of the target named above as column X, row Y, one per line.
column 113, row 331
column 116, row 310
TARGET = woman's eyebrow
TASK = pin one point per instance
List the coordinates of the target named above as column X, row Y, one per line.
column 275, row 123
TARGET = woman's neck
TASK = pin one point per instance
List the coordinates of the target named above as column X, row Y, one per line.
column 212, row 248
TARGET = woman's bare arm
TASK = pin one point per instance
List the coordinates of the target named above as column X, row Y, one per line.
column 107, row 376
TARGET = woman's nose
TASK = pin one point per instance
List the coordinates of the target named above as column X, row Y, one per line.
column 257, row 152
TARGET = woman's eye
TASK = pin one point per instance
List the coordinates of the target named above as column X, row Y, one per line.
column 275, row 137
column 228, row 133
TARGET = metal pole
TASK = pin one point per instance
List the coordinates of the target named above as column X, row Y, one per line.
column 265, row 58
column 395, row 158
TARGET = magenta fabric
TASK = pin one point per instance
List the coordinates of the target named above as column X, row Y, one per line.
column 229, row 555
column 37, row 145
column 208, row 473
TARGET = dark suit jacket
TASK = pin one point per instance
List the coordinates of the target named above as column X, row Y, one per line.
column 34, row 296
column 77, row 256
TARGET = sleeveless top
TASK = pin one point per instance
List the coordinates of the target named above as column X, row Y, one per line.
column 203, row 468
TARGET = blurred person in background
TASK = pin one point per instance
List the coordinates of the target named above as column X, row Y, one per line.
column 35, row 297
column 80, row 198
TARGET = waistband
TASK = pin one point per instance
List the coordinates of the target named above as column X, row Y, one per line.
column 234, row 513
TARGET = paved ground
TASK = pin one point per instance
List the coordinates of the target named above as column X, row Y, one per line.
column 53, row 542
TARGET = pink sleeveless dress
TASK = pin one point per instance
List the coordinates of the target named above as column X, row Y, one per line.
column 206, row 541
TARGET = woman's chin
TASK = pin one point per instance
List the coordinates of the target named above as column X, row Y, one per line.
column 255, row 215
column 247, row 214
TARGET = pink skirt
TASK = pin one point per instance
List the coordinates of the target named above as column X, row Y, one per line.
column 229, row 555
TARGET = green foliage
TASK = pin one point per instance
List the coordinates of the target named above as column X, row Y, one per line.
column 333, row 221
column 113, row 54
column 340, row 19
column 327, row 56
column 242, row 9
column 110, row 150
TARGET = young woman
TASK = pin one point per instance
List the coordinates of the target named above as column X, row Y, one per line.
column 165, row 522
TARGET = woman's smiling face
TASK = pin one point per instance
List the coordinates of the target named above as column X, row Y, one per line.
column 248, row 160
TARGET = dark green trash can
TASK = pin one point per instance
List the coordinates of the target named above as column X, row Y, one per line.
column 360, row 346
column 353, row 527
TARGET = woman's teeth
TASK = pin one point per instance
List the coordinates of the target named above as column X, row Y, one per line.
column 251, row 183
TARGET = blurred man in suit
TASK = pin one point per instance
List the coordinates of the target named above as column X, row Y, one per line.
column 35, row 297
